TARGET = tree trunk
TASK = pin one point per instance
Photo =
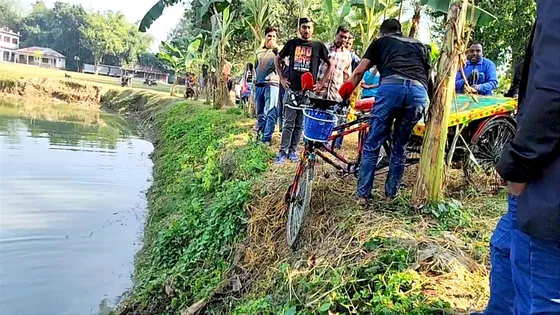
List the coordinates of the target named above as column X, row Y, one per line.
column 429, row 183
column 95, row 65
column 401, row 10
column 415, row 20
column 173, row 86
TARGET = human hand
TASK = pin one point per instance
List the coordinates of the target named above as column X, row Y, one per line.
column 285, row 83
column 319, row 86
column 516, row 189
column 470, row 89
column 362, row 84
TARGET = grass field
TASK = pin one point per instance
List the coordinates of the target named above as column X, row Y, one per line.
column 18, row 71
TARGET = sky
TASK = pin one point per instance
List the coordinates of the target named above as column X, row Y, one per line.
column 134, row 10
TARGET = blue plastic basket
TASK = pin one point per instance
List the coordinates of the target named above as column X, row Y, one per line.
column 318, row 124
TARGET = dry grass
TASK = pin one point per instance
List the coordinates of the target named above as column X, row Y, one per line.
column 452, row 264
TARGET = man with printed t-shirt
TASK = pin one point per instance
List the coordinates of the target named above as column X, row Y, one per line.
column 305, row 56
column 402, row 95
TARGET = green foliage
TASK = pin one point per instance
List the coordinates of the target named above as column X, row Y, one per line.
column 10, row 13
column 450, row 214
column 507, row 36
column 196, row 212
column 103, row 35
column 385, row 285
column 62, row 29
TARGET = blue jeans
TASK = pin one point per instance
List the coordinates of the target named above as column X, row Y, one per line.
column 402, row 105
column 525, row 272
column 266, row 99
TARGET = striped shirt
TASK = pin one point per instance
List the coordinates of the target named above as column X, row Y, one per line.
column 341, row 59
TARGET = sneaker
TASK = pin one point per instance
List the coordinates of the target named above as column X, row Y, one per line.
column 293, row 157
column 281, row 158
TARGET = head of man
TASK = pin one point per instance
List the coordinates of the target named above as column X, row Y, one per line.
column 350, row 43
column 390, row 27
column 306, row 28
column 475, row 52
column 270, row 37
column 342, row 36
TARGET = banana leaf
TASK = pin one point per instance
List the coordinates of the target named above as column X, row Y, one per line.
column 481, row 16
column 154, row 13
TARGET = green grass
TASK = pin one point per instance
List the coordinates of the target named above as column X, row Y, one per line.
column 17, row 71
column 202, row 180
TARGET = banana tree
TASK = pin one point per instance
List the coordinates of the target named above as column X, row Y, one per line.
column 174, row 59
column 334, row 16
column 179, row 61
column 429, row 183
column 368, row 16
column 222, row 30
column 257, row 17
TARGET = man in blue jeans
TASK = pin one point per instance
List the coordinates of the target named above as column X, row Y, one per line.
column 404, row 65
column 267, row 86
column 525, row 247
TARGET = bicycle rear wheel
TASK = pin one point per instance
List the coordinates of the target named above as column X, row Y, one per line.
column 298, row 200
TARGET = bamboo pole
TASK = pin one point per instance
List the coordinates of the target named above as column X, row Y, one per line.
column 429, row 183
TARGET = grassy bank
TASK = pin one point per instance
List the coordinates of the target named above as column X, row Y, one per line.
column 20, row 71
column 215, row 234
column 204, row 165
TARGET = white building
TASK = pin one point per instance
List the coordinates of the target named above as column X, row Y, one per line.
column 40, row 56
column 9, row 43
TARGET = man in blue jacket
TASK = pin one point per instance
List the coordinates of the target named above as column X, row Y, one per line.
column 480, row 73
column 525, row 247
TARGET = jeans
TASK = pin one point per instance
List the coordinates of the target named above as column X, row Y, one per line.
column 401, row 104
column 266, row 98
column 339, row 140
column 525, row 272
column 292, row 129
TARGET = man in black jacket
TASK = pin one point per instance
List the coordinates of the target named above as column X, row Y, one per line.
column 525, row 247
column 514, row 88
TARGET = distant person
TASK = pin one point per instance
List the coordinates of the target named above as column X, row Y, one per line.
column 479, row 71
column 370, row 83
column 341, row 61
column 525, row 246
column 267, row 86
column 350, row 47
column 514, row 89
column 305, row 56
column 404, row 66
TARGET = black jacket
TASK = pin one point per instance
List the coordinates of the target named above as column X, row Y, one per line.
column 533, row 157
column 516, row 82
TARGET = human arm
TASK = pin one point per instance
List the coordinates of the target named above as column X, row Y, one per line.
column 348, row 69
column 358, row 73
column 278, row 64
column 537, row 141
column 459, row 82
column 492, row 81
column 324, row 56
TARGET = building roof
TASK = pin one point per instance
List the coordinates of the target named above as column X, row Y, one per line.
column 8, row 31
column 47, row 52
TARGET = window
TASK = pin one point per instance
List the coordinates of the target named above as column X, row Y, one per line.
column 6, row 39
column 46, row 60
column 14, row 41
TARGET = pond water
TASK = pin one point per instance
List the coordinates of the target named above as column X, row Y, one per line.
column 72, row 207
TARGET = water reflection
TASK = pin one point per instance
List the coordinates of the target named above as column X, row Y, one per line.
column 71, row 207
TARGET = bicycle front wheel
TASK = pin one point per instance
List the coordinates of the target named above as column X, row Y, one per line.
column 298, row 200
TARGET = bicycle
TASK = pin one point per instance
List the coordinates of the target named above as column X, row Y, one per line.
column 298, row 196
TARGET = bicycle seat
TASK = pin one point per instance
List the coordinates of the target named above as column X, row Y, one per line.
column 365, row 105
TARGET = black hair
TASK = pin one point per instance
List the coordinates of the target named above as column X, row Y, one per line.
column 390, row 26
column 269, row 29
column 476, row 43
column 343, row 29
column 304, row 20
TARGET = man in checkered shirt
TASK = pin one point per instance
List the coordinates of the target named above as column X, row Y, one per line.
column 341, row 59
